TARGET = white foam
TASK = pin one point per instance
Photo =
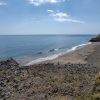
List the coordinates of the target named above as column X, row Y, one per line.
column 78, row 47
column 43, row 59
column 39, row 60
column 56, row 49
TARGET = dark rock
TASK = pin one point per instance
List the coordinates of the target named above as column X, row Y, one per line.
column 10, row 63
column 96, row 39
column 51, row 50
column 39, row 53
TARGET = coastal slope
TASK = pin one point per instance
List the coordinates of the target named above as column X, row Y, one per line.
column 73, row 76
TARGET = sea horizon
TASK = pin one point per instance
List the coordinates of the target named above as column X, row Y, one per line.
column 94, row 34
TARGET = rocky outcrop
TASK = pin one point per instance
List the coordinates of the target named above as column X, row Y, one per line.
column 9, row 64
column 96, row 39
column 45, row 81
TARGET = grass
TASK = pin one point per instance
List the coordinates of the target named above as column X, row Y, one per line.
column 96, row 96
column 95, row 93
column 98, row 80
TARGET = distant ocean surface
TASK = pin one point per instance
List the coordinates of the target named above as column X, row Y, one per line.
column 27, row 49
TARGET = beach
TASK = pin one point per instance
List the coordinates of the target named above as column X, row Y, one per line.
column 71, row 76
column 36, row 48
column 49, row 50
column 86, row 54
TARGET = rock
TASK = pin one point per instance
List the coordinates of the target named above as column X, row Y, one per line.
column 44, row 81
column 51, row 50
column 39, row 53
column 96, row 39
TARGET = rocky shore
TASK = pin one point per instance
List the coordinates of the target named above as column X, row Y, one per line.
column 96, row 39
column 46, row 81
column 53, row 81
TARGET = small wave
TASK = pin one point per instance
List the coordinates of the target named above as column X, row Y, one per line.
column 39, row 60
column 56, row 49
column 52, row 50
column 43, row 59
column 39, row 53
column 78, row 47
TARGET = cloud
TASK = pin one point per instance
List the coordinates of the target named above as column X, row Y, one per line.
column 62, row 17
column 39, row 2
column 2, row 3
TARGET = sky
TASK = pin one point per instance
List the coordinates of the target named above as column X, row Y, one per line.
column 25, row 17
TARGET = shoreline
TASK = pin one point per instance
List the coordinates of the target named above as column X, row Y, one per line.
column 55, row 56
column 76, row 76
column 81, row 55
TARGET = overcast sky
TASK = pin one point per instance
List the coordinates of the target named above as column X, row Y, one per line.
column 49, row 17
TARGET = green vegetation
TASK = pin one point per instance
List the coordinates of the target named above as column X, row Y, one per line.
column 96, row 96
column 98, row 80
column 95, row 93
column 99, row 35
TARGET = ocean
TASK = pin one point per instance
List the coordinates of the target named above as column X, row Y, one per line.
column 30, row 49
